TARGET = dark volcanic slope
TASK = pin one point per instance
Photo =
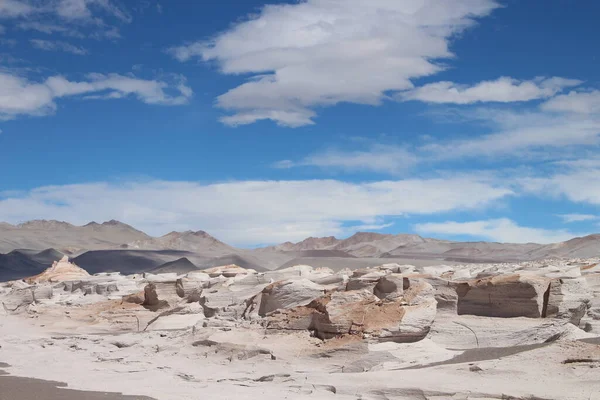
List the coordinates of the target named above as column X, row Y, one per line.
column 17, row 265
column 47, row 257
column 239, row 260
column 181, row 266
column 126, row 261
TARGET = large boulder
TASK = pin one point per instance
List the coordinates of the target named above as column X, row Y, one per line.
column 568, row 299
column 365, row 279
column 159, row 295
column 420, row 308
column 189, row 289
column 288, row 294
column 228, row 271
column 17, row 298
column 347, row 312
column 503, row 296
column 360, row 312
column 389, row 287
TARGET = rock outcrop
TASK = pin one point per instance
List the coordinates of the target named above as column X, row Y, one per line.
column 401, row 316
column 568, row 299
column 60, row 271
column 228, row 271
column 288, row 294
column 503, row 296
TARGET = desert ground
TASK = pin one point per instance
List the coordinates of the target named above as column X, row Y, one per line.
column 343, row 326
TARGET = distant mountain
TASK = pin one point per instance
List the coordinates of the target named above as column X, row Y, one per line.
column 32, row 246
column 47, row 257
column 361, row 244
column 583, row 247
column 408, row 246
column 464, row 251
column 198, row 242
column 180, row 266
column 42, row 234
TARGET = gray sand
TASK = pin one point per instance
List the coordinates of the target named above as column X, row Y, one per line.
column 16, row 388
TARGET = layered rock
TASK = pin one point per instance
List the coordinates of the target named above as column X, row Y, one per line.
column 288, row 294
column 568, row 299
column 503, row 296
column 228, row 271
column 399, row 318
column 60, row 271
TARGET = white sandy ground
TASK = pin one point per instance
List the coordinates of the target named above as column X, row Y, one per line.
column 97, row 342
column 165, row 365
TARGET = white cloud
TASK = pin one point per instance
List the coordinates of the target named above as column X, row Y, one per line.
column 250, row 212
column 8, row 43
column 82, row 9
column 322, row 52
column 579, row 184
column 49, row 28
column 498, row 230
column 19, row 96
column 575, row 102
column 67, row 9
column 14, row 8
column 519, row 134
column 377, row 158
column 68, row 17
column 502, row 90
column 48, row 45
column 570, row 218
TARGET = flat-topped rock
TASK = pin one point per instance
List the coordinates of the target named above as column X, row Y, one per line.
column 503, row 296
column 228, row 271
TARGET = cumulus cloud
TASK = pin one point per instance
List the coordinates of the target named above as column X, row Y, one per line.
column 323, row 52
column 250, row 212
column 502, row 90
column 498, row 230
column 575, row 102
column 49, row 45
column 19, row 96
column 377, row 158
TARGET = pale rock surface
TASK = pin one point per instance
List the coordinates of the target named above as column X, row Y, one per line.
column 288, row 294
column 60, row 271
column 365, row 279
column 400, row 336
column 228, row 271
column 568, row 299
column 503, row 296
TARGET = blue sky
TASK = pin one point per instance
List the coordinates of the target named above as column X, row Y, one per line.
column 267, row 122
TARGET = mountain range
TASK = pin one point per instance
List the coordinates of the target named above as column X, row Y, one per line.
column 114, row 246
